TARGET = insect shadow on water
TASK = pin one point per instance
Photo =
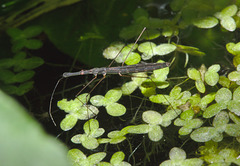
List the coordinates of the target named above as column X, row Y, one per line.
column 120, row 70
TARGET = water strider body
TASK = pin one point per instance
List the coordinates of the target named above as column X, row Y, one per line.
column 142, row 67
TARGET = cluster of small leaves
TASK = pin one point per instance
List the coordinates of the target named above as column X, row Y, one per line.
column 16, row 72
column 78, row 158
column 213, row 154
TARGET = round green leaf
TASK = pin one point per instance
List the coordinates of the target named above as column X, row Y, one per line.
column 115, row 109
column 147, row 49
column 211, row 78
column 32, row 31
column 177, row 154
column 224, row 81
column 234, row 106
column 223, row 95
column 68, row 122
column 90, row 126
column 207, row 22
column 86, row 112
column 98, row 100
column 152, row 117
column 187, row 115
column 194, row 74
column 113, row 95
column 234, row 76
column 184, row 130
column 132, row 58
column 164, row 49
column 214, row 68
column 155, row 133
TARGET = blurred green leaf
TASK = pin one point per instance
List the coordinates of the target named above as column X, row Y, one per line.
column 22, row 135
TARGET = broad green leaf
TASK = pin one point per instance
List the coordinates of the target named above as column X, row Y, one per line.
column 15, row 33
column 32, row 31
column 228, row 23
column 113, row 95
column 220, row 120
column 164, row 49
column 211, row 78
column 152, row 117
column 207, row 22
column 98, row 100
column 214, row 109
column 200, row 86
column 23, row 140
column 194, row 74
column 179, row 122
column 68, row 122
column 233, row 130
column 155, row 133
column 236, row 94
column 184, row 130
column 117, row 158
column 203, row 134
column 112, row 51
column 206, row 100
column 33, row 44
column 89, row 142
column 224, row 81
column 23, row 76
column 31, row 63
column 147, row 48
column 214, row 68
column 233, row 48
column 234, row 76
column 234, row 106
column 6, row 63
column 128, row 88
column 193, row 161
column 24, row 88
column 96, row 158
column 115, row 109
column 187, row 115
column 230, row 10
column 223, row 95
column 177, row 154
column 77, row 139
column 234, row 118
column 132, row 58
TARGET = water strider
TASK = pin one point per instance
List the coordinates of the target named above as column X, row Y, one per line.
column 121, row 70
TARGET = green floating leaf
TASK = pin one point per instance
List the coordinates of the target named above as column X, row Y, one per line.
column 200, row 86
column 155, row 133
column 68, row 122
column 115, row 109
column 113, row 51
column 203, row 134
column 23, row 140
column 230, row 10
column 147, row 49
column 133, row 58
column 234, row 106
column 33, row 44
column 164, row 49
column 214, row 109
column 194, row 74
column 117, row 158
column 15, row 33
column 220, row 121
column 236, row 94
column 32, row 31
column 129, row 87
column 152, row 117
column 234, row 76
column 223, row 95
column 211, row 78
column 228, row 23
column 207, row 22
column 98, row 100
column 113, row 95
column 177, row 154
column 233, row 130
column 6, row 63
column 224, row 81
